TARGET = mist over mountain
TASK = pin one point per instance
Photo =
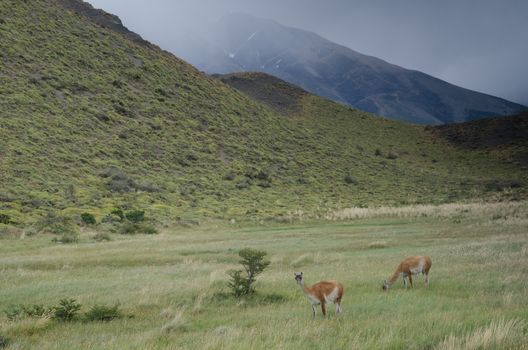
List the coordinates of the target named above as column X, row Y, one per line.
column 240, row 42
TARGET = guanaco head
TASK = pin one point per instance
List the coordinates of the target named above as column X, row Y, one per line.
column 386, row 285
column 298, row 277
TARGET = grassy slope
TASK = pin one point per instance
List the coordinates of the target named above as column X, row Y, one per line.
column 76, row 99
column 478, row 292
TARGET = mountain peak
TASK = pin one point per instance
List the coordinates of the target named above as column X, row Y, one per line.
column 247, row 43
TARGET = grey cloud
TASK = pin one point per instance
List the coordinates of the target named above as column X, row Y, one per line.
column 477, row 44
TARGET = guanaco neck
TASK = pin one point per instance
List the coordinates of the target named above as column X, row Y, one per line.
column 394, row 277
column 304, row 288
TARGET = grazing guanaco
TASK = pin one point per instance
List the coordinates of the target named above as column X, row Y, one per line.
column 321, row 293
column 411, row 266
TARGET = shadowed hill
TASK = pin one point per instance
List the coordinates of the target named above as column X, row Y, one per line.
column 491, row 134
column 94, row 118
column 505, row 137
column 276, row 93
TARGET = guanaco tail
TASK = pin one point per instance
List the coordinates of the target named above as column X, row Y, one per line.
column 321, row 293
column 411, row 266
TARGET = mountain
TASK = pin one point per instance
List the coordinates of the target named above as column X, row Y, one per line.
column 93, row 117
column 241, row 42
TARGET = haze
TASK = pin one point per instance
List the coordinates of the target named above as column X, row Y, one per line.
column 480, row 45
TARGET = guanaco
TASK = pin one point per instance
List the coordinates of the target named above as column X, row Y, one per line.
column 321, row 293
column 411, row 266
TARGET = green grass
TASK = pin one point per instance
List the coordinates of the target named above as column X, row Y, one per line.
column 172, row 286
column 92, row 120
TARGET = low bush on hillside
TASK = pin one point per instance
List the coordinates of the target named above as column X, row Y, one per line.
column 135, row 216
column 262, row 177
column 101, row 236
column 130, row 228
column 88, row 219
column 9, row 231
column 229, row 176
column 5, row 219
column 55, row 224
column 118, row 181
column 118, row 212
column 127, row 223
column 350, row 180
column 67, row 237
column 392, row 155
column 4, row 341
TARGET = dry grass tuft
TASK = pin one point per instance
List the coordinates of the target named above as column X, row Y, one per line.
column 497, row 335
column 303, row 260
column 377, row 245
column 177, row 324
column 509, row 212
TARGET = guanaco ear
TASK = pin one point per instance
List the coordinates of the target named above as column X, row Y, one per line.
column 301, row 273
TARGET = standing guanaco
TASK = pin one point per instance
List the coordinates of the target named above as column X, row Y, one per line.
column 411, row 266
column 321, row 293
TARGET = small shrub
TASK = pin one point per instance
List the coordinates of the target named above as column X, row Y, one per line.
column 67, row 237
column 118, row 83
column 135, row 215
column 130, row 228
column 230, row 176
column 30, row 231
column 101, row 236
column 241, row 282
column 377, row 152
column 265, row 183
column 237, row 283
column 103, row 313
column 119, row 213
column 10, row 231
column 350, row 180
column 148, row 229
column 55, row 224
column 88, row 219
column 5, row 219
column 118, row 181
column 37, row 310
column 263, row 175
column 4, row 341
column 66, row 310
column 392, row 155
column 14, row 313
column 148, row 187
column 23, row 311
column 243, row 184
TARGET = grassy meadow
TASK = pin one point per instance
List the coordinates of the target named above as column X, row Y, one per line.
column 172, row 286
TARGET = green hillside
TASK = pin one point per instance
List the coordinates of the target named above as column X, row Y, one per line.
column 93, row 119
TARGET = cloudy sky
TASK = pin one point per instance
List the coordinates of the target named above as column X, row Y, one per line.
column 478, row 44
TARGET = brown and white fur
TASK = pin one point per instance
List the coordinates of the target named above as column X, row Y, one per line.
column 321, row 293
column 411, row 266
